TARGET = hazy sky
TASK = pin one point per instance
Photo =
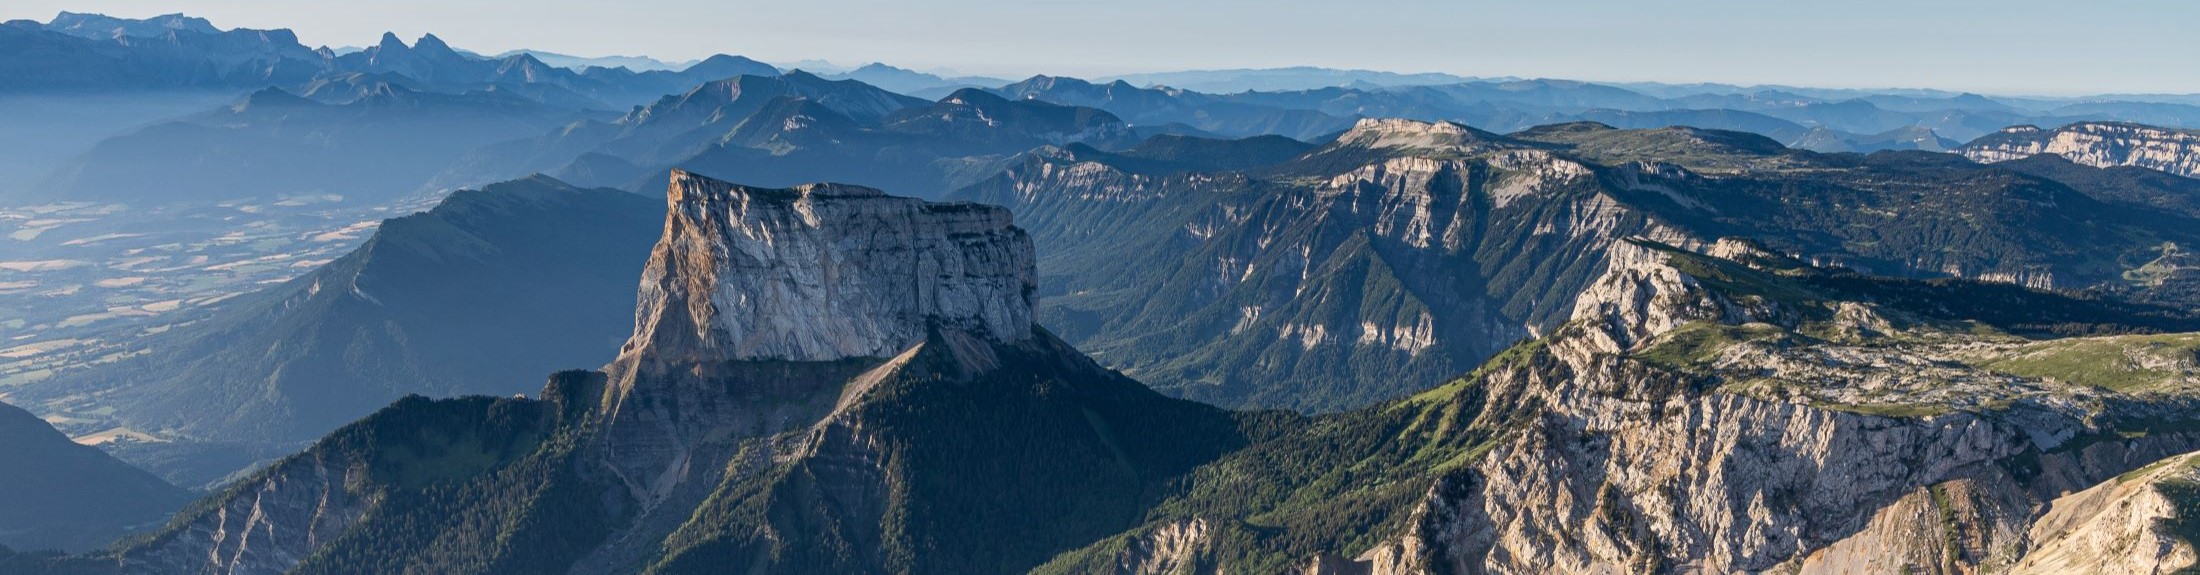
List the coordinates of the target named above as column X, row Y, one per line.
column 1999, row 46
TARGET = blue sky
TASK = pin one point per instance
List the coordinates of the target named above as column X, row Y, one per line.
column 2006, row 46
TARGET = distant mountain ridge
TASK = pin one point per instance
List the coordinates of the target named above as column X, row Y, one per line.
column 911, row 82
column 635, row 63
column 380, row 143
column 797, row 127
column 1271, row 79
column 483, row 294
column 1500, row 105
column 90, row 52
column 97, row 26
column 766, row 435
column 2097, row 144
column 884, row 437
column 1403, row 250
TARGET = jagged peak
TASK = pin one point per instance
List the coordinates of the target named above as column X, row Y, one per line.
column 430, row 43
column 823, row 272
column 390, row 42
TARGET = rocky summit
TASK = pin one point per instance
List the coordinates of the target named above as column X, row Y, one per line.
column 825, row 360
column 824, row 272
column 1292, row 321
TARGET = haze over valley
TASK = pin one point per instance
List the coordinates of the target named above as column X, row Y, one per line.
column 404, row 305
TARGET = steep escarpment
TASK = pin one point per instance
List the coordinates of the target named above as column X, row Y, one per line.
column 1403, row 253
column 822, row 379
column 824, row 272
column 2097, row 144
column 1433, row 246
column 1699, row 415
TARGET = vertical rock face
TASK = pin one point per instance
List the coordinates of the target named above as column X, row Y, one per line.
column 823, row 272
column 2097, row 144
column 822, row 281
column 1661, row 430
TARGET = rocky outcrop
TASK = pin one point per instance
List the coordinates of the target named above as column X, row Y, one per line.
column 837, row 345
column 2097, row 144
column 823, row 272
column 758, row 305
column 1391, row 133
column 1627, row 467
column 1392, row 258
column 264, row 526
column 2120, row 527
column 1639, row 297
column 765, row 320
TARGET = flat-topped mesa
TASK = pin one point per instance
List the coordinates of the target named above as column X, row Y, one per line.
column 823, row 272
column 1426, row 137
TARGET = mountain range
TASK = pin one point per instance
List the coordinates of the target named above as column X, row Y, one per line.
column 1260, row 272
column 1405, row 252
column 857, row 429
column 787, row 129
column 1300, row 321
column 482, row 295
column 379, row 144
column 1725, row 408
column 2097, row 144
column 180, row 53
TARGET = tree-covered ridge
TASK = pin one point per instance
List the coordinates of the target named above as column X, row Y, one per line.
column 986, row 471
column 943, row 449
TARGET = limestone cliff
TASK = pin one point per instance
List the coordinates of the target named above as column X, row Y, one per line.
column 2097, row 144
column 1402, row 253
column 1707, row 414
column 1851, row 454
column 824, row 279
column 806, row 339
column 823, row 272
column 869, row 354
